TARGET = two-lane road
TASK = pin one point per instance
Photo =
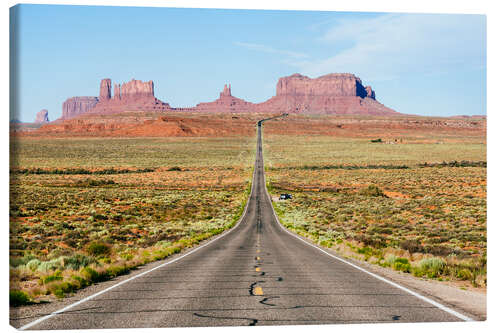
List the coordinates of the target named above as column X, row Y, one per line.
column 256, row 274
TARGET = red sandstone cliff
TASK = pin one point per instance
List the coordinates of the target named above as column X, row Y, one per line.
column 329, row 94
column 135, row 95
column 75, row 106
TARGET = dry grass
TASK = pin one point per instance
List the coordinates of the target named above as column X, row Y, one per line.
column 371, row 201
column 71, row 225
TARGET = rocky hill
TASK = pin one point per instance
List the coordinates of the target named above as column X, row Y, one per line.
column 226, row 103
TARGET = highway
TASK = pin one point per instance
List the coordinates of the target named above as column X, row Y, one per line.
column 257, row 273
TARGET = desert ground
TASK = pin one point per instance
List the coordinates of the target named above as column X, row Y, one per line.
column 93, row 198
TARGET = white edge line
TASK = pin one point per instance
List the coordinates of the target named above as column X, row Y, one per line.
column 39, row 320
column 423, row 298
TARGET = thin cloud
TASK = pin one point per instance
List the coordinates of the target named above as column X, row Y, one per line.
column 393, row 45
column 269, row 49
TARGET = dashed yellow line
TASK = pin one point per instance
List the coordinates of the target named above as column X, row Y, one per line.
column 258, row 291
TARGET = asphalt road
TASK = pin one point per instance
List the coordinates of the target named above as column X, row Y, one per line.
column 255, row 274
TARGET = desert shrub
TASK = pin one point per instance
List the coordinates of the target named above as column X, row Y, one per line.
column 78, row 260
column 116, row 270
column 94, row 182
column 390, row 260
column 18, row 297
column 465, row 274
column 175, row 168
column 33, row 264
column 79, row 281
column 372, row 191
column 377, row 241
column 59, row 289
column 438, row 250
column 17, row 261
column 77, row 171
column 411, row 245
column 89, row 274
column 98, row 248
column 402, row 264
column 432, row 267
column 51, row 278
column 50, row 265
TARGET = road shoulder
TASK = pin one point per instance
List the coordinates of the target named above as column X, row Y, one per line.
column 468, row 302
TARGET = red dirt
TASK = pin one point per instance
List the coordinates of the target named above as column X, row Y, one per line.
column 393, row 129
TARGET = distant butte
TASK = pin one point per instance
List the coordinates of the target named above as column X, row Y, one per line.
column 329, row 94
column 42, row 117
column 336, row 93
column 134, row 95
column 75, row 106
column 226, row 103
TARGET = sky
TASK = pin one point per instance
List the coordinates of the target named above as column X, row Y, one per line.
column 425, row 64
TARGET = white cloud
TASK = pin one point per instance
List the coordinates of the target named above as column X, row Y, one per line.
column 393, row 45
column 269, row 49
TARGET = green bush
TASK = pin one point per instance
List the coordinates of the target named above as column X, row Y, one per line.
column 78, row 260
column 373, row 191
column 51, row 265
column 53, row 277
column 98, row 248
column 390, row 260
column 465, row 274
column 89, row 274
column 113, row 271
column 402, row 264
column 432, row 267
column 81, row 281
column 17, row 298
column 59, row 289
column 33, row 264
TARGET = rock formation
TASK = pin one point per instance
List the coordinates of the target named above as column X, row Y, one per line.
column 332, row 94
column 105, row 91
column 117, row 93
column 226, row 103
column 75, row 106
column 337, row 93
column 135, row 95
column 226, row 91
column 136, row 89
column 42, row 117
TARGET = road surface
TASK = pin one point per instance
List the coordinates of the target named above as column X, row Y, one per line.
column 256, row 274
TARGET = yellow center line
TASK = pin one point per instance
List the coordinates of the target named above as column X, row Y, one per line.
column 258, row 291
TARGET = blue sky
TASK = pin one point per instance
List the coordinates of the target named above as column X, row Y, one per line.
column 427, row 64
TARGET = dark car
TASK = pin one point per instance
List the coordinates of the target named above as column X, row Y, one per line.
column 285, row 196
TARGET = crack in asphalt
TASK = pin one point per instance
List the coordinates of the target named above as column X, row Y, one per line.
column 265, row 299
column 253, row 321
